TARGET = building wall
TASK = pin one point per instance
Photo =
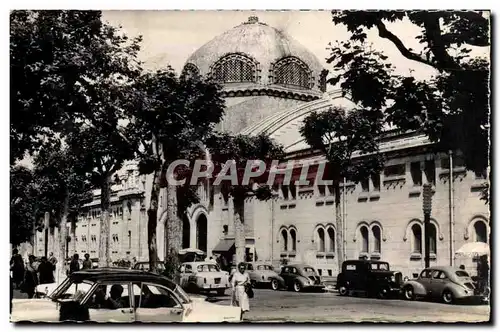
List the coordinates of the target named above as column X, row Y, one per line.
column 395, row 207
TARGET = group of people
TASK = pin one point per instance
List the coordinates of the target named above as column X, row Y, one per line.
column 26, row 277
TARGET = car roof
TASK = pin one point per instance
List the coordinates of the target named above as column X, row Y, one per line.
column 299, row 266
column 107, row 274
column 369, row 261
column 199, row 263
column 443, row 268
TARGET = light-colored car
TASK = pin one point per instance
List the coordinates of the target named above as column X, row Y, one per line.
column 202, row 276
column 123, row 296
column 441, row 282
column 144, row 266
column 262, row 273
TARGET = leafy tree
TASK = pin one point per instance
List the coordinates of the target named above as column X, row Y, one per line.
column 171, row 118
column 58, row 62
column 64, row 188
column 340, row 134
column 72, row 75
column 242, row 149
column 23, row 208
column 452, row 107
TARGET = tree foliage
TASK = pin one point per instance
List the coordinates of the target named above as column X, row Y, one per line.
column 451, row 107
column 62, row 65
column 23, row 196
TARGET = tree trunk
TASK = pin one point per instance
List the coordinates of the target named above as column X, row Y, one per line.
column 239, row 229
column 173, row 227
column 104, row 253
column 153, row 221
column 339, row 225
column 63, row 234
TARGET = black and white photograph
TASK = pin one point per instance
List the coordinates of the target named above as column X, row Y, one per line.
column 250, row 166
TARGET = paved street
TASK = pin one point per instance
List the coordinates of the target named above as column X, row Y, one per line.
column 271, row 306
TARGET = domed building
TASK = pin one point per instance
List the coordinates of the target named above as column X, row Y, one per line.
column 271, row 83
column 262, row 70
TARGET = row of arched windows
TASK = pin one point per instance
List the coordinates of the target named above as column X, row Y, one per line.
column 371, row 237
column 241, row 68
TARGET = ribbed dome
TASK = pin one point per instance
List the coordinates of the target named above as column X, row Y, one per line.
column 265, row 46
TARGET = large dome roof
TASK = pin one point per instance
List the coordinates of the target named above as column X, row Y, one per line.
column 268, row 48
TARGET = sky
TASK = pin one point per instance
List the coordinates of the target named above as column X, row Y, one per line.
column 170, row 37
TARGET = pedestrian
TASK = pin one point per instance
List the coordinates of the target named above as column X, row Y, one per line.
column 74, row 265
column 87, row 263
column 46, row 271
column 239, row 282
column 17, row 268
column 11, row 293
column 30, row 278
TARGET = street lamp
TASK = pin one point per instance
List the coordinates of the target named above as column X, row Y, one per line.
column 427, row 207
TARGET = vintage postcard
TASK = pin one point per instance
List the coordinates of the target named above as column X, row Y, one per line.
column 250, row 166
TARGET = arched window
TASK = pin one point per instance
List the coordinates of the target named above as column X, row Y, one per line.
column 331, row 239
column 376, row 238
column 321, row 240
column 292, row 72
column 190, row 70
column 417, row 239
column 481, row 231
column 364, row 238
column 432, row 239
column 293, row 238
column 235, row 68
column 284, row 240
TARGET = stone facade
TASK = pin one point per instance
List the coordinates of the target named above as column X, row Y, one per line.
column 382, row 216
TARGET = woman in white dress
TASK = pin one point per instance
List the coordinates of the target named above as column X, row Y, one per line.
column 239, row 279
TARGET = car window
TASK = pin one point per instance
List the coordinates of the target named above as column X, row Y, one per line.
column 208, row 268
column 110, row 296
column 293, row 270
column 308, row 269
column 74, row 291
column 249, row 267
column 189, row 268
column 265, row 267
column 462, row 274
column 380, row 266
column 156, row 296
column 438, row 275
column 425, row 274
column 350, row 267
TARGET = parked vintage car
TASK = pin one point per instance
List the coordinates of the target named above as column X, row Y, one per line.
column 116, row 295
column 202, row 277
column 447, row 283
column 263, row 274
column 371, row 277
column 301, row 277
column 144, row 266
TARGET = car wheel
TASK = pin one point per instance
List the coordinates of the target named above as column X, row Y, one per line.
column 221, row 292
column 343, row 290
column 297, row 286
column 275, row 285
column 383, row 293
column 409, row 293
column 448, row 297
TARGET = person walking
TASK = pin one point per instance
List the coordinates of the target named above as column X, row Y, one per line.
column 46, row 271
column 30, row 278
column 87, row 263
column 17, row 268
column 74, row 265
column 239, row 282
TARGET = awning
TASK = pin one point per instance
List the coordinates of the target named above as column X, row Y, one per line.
column 223, row 246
